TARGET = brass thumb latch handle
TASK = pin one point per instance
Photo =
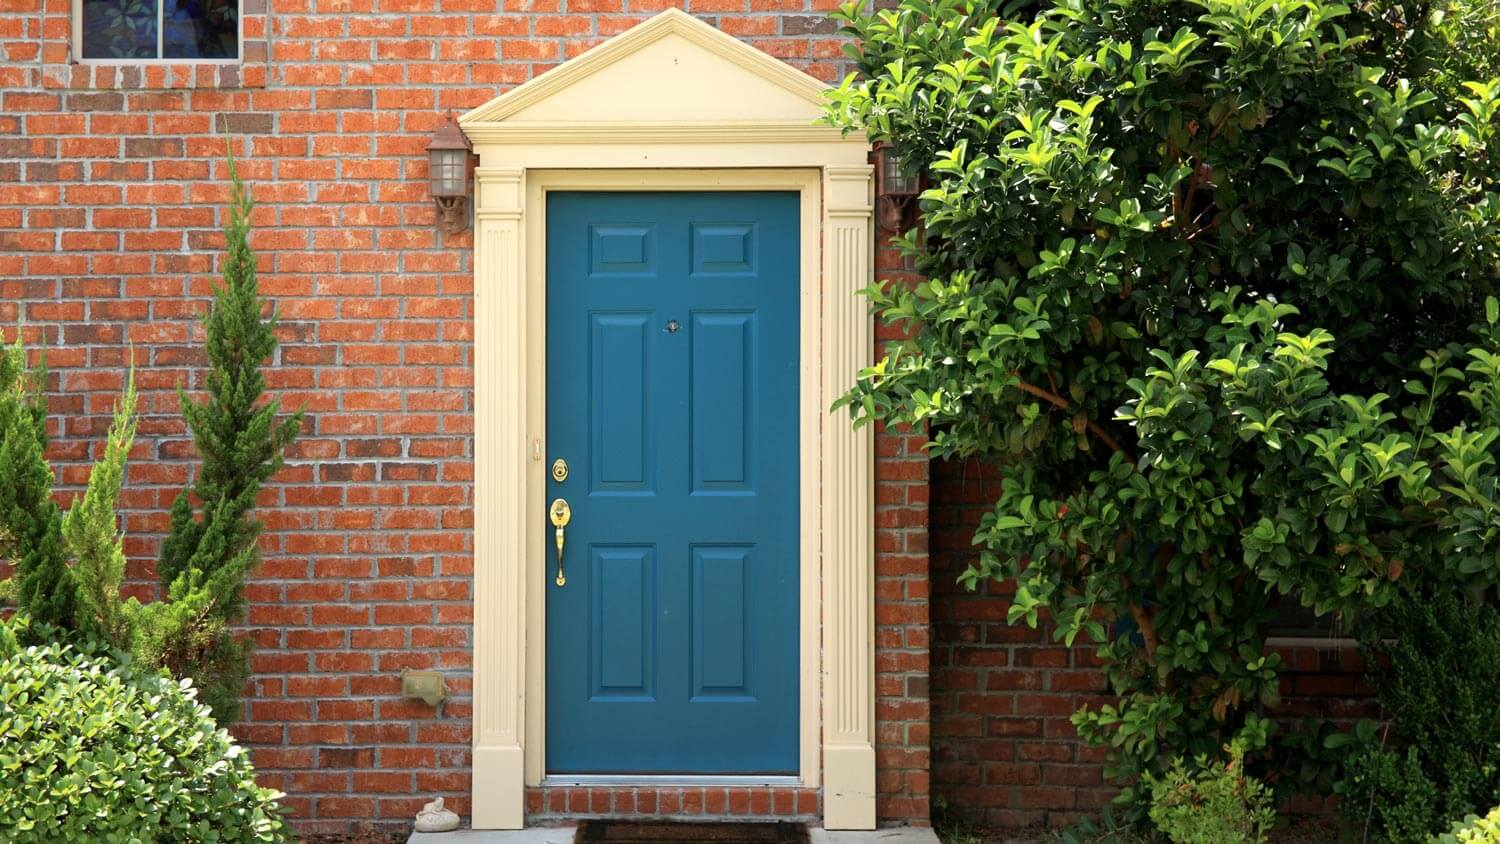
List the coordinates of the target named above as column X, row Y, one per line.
column 560, row 513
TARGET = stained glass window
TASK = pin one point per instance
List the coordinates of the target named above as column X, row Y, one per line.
column 121, row 30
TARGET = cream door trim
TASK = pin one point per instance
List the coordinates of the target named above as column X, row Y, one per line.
column 806, row 184
column 517, row 167
column 848, row 495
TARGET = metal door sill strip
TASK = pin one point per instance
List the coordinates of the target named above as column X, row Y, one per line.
column 712, row 780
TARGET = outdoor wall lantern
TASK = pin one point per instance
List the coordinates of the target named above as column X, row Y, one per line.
column 896, row 189
column 448, row 175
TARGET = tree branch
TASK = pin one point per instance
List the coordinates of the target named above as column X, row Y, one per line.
column 1146, row 623
column 1063, row 404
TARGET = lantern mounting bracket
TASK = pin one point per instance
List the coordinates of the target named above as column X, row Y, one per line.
column 453, row 213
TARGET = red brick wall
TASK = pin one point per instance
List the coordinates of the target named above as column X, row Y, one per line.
column 556, row 804
column 902, row 627
column 1004, row 751
column 111, row 187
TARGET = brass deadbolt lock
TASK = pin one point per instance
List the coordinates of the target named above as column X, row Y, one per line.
column 426, row 686
column 559, row 470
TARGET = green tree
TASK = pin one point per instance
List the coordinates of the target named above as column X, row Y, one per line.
column 30, row 521
column 1459, row 42
column 211, row 545
column 91, row 532
column 1210, row 282
column 1434, row 662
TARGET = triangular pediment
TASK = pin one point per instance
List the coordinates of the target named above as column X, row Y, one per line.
column 671, row 69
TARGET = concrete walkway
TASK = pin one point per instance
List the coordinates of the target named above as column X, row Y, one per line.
column 564, row 835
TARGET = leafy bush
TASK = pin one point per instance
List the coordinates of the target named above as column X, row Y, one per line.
column 1462, row 43
column 92, row 752
column 1438, row 678
column 1202, row 280
column 1218, row 804
column 1473, row 830
column 207, row 555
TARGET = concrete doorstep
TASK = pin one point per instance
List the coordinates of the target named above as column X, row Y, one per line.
column 564, row 835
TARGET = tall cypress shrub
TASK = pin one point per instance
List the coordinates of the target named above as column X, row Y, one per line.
column 30, row 521
column 92, row 534
column 211, row 545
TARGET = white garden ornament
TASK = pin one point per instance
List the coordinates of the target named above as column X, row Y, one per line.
column 434, row 818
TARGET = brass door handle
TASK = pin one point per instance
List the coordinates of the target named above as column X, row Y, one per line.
column 560, row 514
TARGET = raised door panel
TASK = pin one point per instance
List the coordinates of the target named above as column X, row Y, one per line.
column 620, row 423
column 724, row 402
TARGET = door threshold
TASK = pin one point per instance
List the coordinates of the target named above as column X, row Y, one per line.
column 719, row 780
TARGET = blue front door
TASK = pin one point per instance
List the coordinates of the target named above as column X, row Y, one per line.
column 672, row 384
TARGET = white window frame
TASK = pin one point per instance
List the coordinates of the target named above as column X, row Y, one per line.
column 161, row 5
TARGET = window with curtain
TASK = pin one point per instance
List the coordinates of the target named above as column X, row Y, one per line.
column 123, row 30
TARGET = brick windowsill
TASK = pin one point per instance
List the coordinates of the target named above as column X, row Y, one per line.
column 155, row 76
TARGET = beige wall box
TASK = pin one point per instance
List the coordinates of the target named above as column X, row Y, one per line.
column 426, row 686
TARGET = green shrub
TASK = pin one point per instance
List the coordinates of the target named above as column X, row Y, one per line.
column 241, row 437
column 1211, row 803
column 1212, row 283
column 1473, row 830
column 30, row 522
column 1464, row 45
column 94, row 752
column 1434, row 660
column 210, row 549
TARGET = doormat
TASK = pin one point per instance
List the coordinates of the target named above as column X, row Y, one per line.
column 664, row 832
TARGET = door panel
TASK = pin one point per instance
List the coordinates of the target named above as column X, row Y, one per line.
column 622, row 618
column 724, row 402
column 619, row 408
column 721, row 621
column 672, row 384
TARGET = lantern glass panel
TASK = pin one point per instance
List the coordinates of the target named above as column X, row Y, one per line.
column 898, row 181
column 448, row 171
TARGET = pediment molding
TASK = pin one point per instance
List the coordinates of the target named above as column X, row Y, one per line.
column 676, row 80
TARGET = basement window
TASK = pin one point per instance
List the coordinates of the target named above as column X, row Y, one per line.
column 135, row 31
column 1294, row 621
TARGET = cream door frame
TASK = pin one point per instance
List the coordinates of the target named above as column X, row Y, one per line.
column 805, row 183
column 519, row 162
